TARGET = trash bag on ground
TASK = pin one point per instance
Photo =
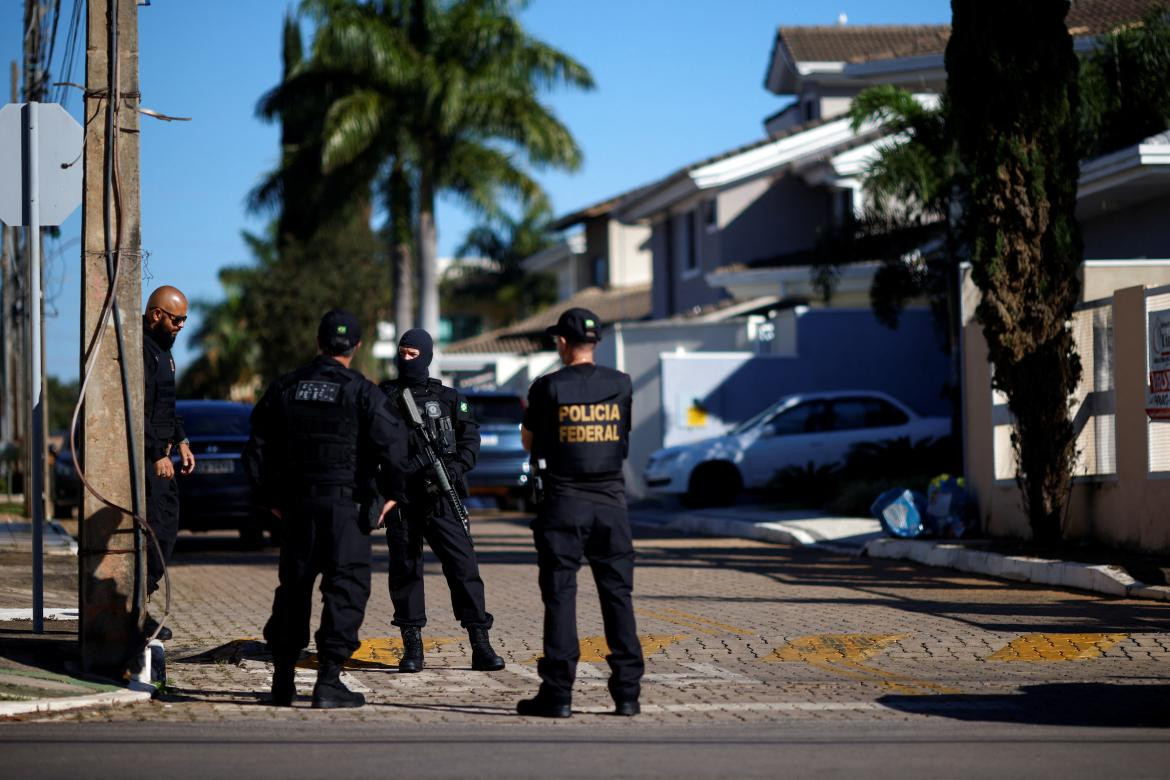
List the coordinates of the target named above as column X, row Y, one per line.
column 902, row 513
column 950, row 506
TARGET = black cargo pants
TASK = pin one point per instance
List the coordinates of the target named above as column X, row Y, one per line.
column 321, row 535
column 434, row 522
column 565, row 529
column 162, row 514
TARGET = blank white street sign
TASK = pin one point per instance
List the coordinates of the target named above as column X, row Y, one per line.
column 60, row 141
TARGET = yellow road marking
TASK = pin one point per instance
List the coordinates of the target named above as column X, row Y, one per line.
column 595, row 648
column 835, row 647
column 695, row 622
column 842, row 654
column 1056, row 647
column 378, row 653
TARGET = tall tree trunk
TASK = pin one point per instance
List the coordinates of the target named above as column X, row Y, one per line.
column 428, row 261
column 401, row 236
column 1012, row 101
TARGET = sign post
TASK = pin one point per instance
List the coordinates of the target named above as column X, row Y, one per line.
column 40, row 186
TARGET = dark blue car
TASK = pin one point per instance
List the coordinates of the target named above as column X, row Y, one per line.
column 217, row 494
column 502, row 470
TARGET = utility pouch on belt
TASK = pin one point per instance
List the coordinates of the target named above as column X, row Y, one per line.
column 537, row 482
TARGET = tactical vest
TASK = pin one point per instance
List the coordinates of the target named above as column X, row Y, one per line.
column 322, row 430
column 435, row 412
column 586, row 435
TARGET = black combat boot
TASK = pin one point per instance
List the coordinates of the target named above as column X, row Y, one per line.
column 483, row 657
column 543, row 705
column 284, row 688
column 330, row 693
column 412, row 650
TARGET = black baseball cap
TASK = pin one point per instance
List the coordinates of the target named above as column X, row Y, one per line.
column 339, row 332
column 577, row 326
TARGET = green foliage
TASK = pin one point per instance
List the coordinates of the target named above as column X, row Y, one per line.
column 61, row 398
column 446, row 91
column 1125, row 86
column 1012, row 104
column 266, row 324
column 503, row 292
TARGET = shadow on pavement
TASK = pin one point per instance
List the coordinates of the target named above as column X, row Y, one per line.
column 1102, row 705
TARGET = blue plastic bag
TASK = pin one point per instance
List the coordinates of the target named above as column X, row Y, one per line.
column 950, row 506
column 902, row 513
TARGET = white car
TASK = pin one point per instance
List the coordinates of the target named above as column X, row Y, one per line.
column 817, row 428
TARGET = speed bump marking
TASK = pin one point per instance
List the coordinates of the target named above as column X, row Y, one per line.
column 378, row 653
column 1056, row 647
column 842, row 654
column 595, row 648
column 835, row 647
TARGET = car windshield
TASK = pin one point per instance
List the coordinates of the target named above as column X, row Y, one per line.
column 216, row 420
column 755, row 419
column 497, row 409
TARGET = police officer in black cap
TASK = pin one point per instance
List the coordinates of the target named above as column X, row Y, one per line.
column 428, row 515
column 578, row 423
column 313, row 434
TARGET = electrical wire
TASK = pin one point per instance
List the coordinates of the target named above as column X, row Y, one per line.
column 112, row 214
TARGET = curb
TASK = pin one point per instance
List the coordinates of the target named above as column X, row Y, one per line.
column 719, row 526
column 1100, row 578
column 108, row 699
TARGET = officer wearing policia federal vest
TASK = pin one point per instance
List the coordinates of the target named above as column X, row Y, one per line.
column 315, row 433
column 429, row 515
column 578, row 423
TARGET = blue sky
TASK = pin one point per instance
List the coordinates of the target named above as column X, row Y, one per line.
column 677, row 81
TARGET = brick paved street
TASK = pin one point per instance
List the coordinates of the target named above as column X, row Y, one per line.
column 736, row 632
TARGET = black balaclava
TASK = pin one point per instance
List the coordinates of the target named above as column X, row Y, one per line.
column 415, row 372
column 158, row 334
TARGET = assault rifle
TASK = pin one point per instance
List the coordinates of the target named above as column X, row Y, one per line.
column 430, row 457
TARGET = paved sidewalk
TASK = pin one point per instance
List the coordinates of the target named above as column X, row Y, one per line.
column 16, row 533
column 35, row 668
column 863, row 536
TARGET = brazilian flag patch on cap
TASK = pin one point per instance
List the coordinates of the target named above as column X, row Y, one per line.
column 590, row 323
column 342, row 329
column 463, row 406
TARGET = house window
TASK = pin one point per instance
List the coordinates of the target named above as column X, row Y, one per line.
column 689, row 256
column 599, row 270
column 711, row 215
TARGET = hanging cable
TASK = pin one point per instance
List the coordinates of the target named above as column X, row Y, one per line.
column 112, row 224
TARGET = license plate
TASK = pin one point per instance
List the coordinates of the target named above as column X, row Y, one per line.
column 215, row 466
column 489, row 439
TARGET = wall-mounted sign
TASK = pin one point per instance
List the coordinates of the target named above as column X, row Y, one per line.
column 1158, row 392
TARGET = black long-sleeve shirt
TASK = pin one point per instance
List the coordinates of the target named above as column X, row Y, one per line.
column 163, row 426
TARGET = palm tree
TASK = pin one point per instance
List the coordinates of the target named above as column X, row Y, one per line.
column 504, row 292
column 444, row 96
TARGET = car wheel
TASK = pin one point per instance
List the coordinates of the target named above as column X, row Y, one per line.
column 713, row 484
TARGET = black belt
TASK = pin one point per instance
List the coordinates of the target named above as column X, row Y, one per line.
column 328, row 491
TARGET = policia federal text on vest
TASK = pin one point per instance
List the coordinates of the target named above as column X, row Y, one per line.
column 577, row 426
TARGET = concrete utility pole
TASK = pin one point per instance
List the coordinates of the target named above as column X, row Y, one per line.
column 112, row 575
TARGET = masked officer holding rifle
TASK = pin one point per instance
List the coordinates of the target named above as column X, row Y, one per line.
column 444, row 445
column 577, row 427
column 315, row 433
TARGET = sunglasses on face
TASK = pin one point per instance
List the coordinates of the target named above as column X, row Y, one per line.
column 177, row 319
